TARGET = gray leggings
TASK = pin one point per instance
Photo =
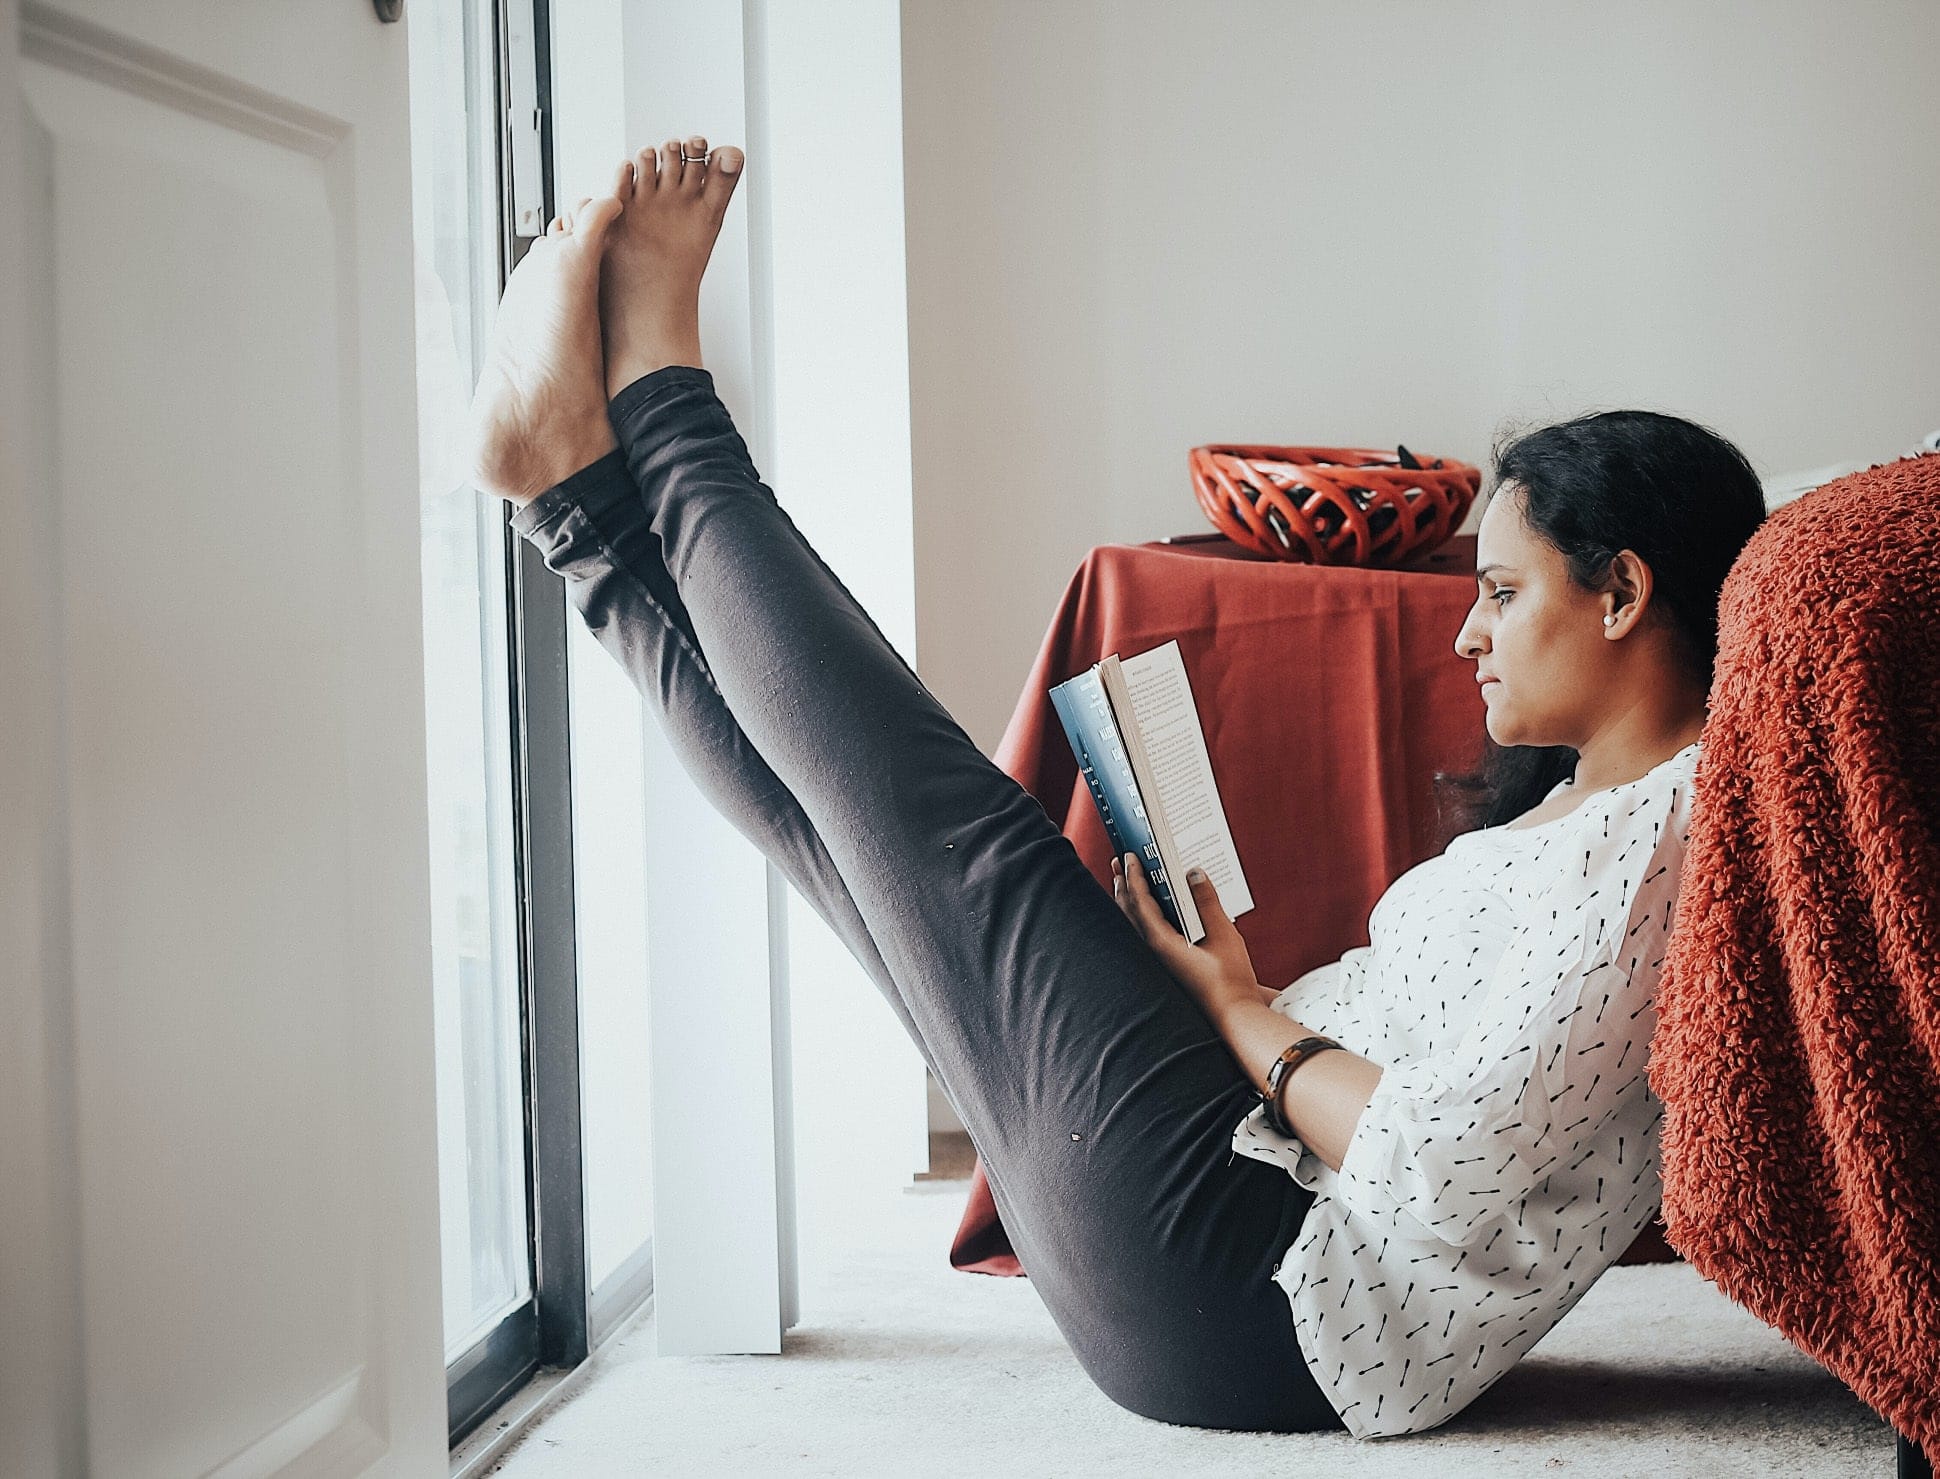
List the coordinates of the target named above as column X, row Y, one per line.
column 1098, row 1095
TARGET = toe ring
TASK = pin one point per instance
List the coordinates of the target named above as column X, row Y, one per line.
column 686, row 158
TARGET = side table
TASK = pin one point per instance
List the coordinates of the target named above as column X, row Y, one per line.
column 1329, row 697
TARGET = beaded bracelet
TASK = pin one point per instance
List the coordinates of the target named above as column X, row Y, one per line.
column 1276, row 1078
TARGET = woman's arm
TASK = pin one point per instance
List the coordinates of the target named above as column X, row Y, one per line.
column 1326, row 1095
column 1324, row 1099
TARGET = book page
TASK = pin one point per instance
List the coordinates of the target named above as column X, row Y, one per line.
column 1175, row 749
column 1167, row 873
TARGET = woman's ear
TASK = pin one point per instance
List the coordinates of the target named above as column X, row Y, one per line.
column 1628, row 593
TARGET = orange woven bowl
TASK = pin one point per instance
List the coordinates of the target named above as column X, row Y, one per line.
column 1333, row 505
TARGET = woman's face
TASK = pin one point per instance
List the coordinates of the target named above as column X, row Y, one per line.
column 1539, row 636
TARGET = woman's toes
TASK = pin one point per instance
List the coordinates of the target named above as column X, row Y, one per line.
column 646, row 170
column 623, row 182
column 594, row 216
column 723, row 171
column 693, row 169
column 670, row 163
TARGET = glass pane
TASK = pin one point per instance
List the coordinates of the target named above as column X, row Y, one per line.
column 481, row 1116
column 609, row 887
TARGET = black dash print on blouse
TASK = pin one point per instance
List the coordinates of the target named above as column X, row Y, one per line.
column 1464, row 981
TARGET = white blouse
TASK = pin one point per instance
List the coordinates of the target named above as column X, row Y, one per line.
column 1509, row 1154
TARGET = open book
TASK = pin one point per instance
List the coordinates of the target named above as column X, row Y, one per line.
column 1136, row 733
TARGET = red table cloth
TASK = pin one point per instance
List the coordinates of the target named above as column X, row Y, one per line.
column 1329, row 698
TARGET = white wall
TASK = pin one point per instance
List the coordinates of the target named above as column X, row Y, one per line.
column 1138, row 226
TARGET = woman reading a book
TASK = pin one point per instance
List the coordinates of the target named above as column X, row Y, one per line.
column 1417, row 1205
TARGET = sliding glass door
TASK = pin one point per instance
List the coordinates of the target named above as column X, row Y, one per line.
column 536, row 819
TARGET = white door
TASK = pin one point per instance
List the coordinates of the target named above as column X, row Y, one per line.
column 218, row 1172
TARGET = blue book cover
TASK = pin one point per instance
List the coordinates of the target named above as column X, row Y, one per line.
column 1086, row 714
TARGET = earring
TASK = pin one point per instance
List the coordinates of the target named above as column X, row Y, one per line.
column 1609, row 621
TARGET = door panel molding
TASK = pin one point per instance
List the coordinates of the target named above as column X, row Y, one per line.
column 127, row 65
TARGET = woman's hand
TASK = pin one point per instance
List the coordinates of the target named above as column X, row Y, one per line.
column 1218, row 971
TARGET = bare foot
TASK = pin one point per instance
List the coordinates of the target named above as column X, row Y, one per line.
column 539, row 414
column 650, row 289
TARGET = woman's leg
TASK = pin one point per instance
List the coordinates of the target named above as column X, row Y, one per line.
column 636, row 614
column 1101, row 1099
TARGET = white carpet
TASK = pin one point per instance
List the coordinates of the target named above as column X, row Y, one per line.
column 904, row 1366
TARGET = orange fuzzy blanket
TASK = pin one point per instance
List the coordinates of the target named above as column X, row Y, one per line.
column 1797, row 1050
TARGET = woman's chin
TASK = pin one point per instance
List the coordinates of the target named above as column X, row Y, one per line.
column 1507, row 732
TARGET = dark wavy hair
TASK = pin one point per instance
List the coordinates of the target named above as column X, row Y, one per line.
column 1678, row 494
